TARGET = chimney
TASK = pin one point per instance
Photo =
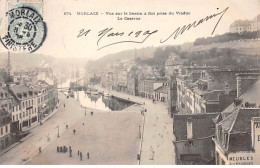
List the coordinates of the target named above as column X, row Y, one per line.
column 237, row 101
column 189, row 129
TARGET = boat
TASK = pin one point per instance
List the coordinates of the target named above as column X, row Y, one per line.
column 107, row 94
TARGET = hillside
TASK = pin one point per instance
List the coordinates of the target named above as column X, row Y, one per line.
column 143, row 53
column 27, row 60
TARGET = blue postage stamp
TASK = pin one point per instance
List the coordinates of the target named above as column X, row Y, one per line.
column 26, row 29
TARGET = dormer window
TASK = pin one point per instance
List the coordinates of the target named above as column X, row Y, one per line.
column 30, row 93
column 219, row 133
column 225, row 139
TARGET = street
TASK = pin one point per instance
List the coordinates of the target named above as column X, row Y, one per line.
column 110, row 137
column 45, row 134
column 157, row 146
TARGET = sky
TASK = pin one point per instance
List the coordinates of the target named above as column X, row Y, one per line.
column 62, row 30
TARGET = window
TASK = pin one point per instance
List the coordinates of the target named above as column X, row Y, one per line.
column 13, row 118
column 226, row 138
column 2, row 132
column 6, row 129
column 20, row 115
column 16, row 116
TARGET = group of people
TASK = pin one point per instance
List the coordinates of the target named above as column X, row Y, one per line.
column 64, row 149
column 81, row 156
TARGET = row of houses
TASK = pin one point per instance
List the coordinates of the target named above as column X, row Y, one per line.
column 218, row 113
column 145, row 81
column 24, row 104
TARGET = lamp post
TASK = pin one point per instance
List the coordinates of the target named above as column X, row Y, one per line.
column 58, row 131
column 139, row 131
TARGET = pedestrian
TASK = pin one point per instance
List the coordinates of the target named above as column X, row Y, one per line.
column 88, row 155
column 85, row 113
column 64, row 105
column 58, row 149
column 74, row 131
column 92, row 112
column 78, row 152
column 83, row 124
column 67, row 126
column 70, row 153
column 80, row 156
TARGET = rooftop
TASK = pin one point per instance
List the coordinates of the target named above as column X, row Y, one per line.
column 252, row 95
column 202, row 125
column 241, row 23
column 162, row 89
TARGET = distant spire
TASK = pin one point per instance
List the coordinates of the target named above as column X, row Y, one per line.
column 8, row 70
column 8, row 66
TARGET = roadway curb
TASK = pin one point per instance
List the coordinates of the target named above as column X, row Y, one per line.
column 16, row 144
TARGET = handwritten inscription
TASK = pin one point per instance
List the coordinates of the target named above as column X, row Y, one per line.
column 141, row 36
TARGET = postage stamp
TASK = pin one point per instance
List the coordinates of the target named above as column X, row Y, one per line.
column 26, row 30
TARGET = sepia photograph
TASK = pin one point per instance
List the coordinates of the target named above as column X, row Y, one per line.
column 133, row 82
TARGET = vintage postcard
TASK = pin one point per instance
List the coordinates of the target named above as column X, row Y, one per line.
column 129, row 82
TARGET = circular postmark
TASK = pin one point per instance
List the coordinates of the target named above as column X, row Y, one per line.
column 26, row 30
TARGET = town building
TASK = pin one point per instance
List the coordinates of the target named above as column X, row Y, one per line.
column 237, row 139
column 172, row 66
column 193, row 143
column 133, row 76
column 240, row 26
column 161, row 93
column 5, row 135
column 149, row 84
column 31, row 102
column 187, row 77
column 26, row 110
column 207, row 90
column 172, row 96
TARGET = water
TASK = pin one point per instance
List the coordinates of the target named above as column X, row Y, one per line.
column 97, row 101
column 101, row 103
